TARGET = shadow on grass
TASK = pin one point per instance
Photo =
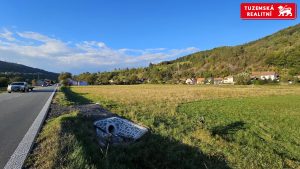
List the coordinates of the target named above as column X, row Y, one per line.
column 151, row 152
column 74, row 97
column 227, row 131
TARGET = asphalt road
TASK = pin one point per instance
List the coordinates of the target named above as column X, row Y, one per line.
column 17, row 113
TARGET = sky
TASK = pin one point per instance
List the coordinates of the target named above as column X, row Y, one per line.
column 101, row 35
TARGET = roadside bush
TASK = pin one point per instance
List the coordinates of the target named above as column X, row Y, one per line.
column 16, row 79
column 64, row 82
column 3, row 81
column 263, row 82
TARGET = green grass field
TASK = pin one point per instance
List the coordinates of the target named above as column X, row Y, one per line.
column 243, row 127
column 260, row 132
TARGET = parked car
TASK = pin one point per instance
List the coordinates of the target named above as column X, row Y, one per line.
column 19, row 87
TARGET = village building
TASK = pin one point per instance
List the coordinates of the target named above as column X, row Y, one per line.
column 39, row 82
column 72, row 82
column 218, row 80
column 264, row 75
column 111, row 81
column 190, row 81
column 228, row 80
column 82, row 83
column 200, row 80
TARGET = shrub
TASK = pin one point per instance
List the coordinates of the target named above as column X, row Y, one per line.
column 243, row 79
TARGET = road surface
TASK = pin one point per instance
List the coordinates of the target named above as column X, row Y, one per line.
column 17, row 113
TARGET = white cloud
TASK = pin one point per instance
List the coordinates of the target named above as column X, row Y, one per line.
column 35, row 36
column 85, row 56
column 7, row 35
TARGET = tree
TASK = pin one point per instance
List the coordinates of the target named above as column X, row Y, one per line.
column 64, row 75
column 16, row 79
column 3, row 81
column 133, row 79
column 63, row 78
column 242, row 79
column 88, row 77
column 33, row 82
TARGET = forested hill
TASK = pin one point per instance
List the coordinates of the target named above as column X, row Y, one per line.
column 14, row 69
column 278, row 52
column 275, row 52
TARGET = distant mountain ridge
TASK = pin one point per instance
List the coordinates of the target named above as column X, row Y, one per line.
column 19, row 69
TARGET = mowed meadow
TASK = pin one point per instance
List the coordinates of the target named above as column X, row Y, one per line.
column 204, row 126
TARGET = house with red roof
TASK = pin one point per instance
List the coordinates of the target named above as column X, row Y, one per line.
column 265, row 75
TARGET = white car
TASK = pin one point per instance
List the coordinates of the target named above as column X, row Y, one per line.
column 18, row 86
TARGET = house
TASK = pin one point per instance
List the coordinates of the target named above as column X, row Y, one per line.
column 264, row 75
column 39, row 82
column 218, row 80
column 47, row 82
column 228, row 80
column 200, row 80
column 190, row 81
column 44, row 82
column 72, row 82
column 111, row 81
column 82, row 83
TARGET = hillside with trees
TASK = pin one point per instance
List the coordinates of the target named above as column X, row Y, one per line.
column 279, row 52
column 10, row 72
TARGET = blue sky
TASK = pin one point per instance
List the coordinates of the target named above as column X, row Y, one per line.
column 99, row 35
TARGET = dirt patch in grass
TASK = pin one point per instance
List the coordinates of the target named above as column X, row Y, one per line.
column 94, row 111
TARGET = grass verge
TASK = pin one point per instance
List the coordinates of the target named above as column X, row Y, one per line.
column 67, row 141
column 2, row 89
